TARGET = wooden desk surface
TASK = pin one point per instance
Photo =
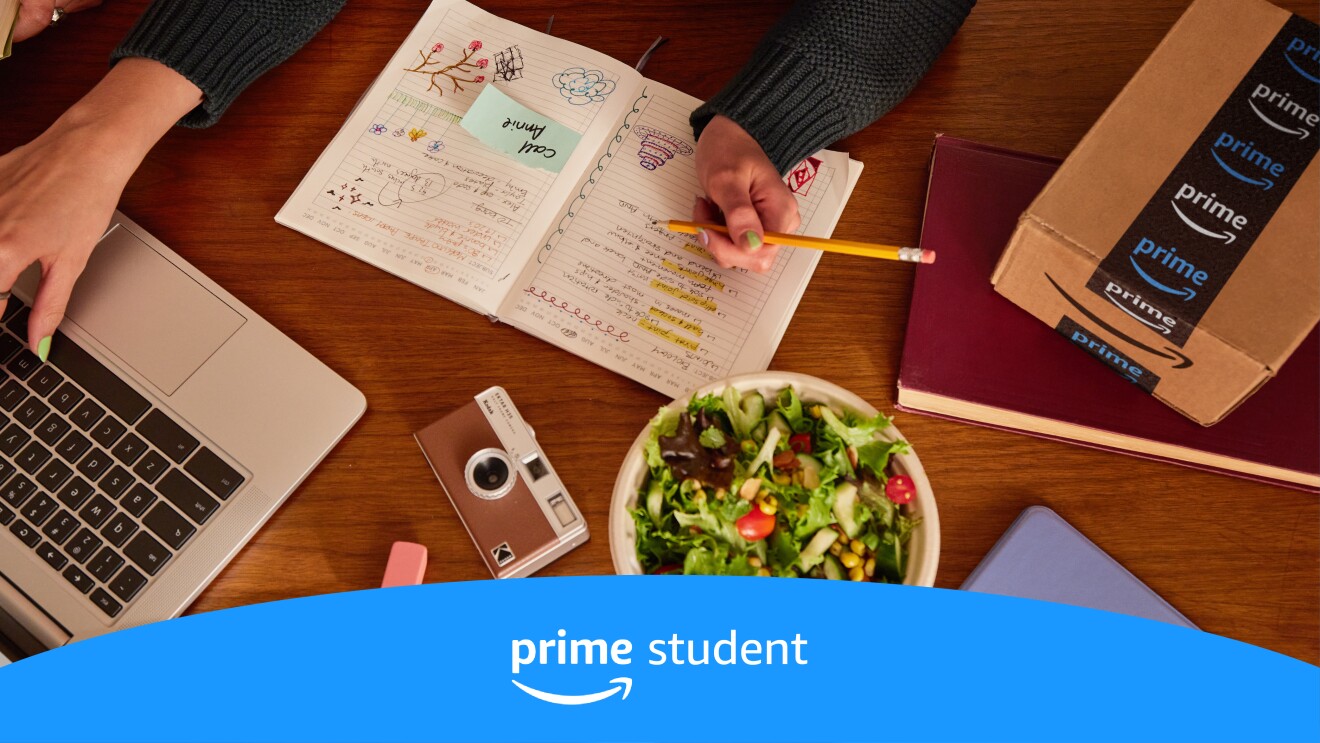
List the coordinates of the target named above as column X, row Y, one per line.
column 1239, row 558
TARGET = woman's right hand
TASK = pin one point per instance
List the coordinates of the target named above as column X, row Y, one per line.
column 744, row 192
column 60, row 189
column 34, row 15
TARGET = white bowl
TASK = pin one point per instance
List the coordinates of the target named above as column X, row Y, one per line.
column 924, row 544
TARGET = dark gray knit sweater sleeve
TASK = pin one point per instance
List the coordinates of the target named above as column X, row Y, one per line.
column 831, row 67
column 223, row 45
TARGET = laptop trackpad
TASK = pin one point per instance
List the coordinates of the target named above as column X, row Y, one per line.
column 153, row 316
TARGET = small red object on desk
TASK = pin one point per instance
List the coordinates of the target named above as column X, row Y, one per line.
column 406, row 567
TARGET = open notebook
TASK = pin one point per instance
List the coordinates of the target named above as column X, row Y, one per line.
column 572, row 257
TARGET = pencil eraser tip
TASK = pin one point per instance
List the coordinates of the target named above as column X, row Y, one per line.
column 928, row 256
column 407, row 565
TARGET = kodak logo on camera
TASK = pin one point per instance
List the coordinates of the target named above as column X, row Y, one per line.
column 1183, row 228
column 507, row 495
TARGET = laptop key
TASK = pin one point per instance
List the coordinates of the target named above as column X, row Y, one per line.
column 72, row 447
column 12, row 439
column 169, row 525
column 119, row 530
column 61, row 527
column 83, row 545
column 214, row 473
column 78, row 579
column 17, row 490
column 25, row 533
column 23, row 364
column 147, row 553
column 167, row 435
column 104, row 565
column 129, row 449
column 39, row 509
column 95, row 464
column 6, row 516
column 31, row 412
column 54, row 475
column 127, row 584
column 97, row 511
column 12, row 393
column 100, row 382
column 45, row 380
column 52, row 555
column 6, row 469
column 75, row 493
column 66, row 398
column 87, row 414
column 17, row 321
column 52, row 429
column 138, row 499
column 116, row 481
column 108, row 431
column 151, row 466
column 106, row 603
column 32, row 458
column 192, row 500
column 9, row 345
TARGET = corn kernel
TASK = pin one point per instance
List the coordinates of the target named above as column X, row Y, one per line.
column 857, row 574
column 843, row 538
column 720, row 493
column 771, row 500
column 749, row 489
column 857, row 547
column 754, row 561
column 814, row 410
column 869, row 567
column 836, row 549
column 850, row 560
column 763, row 572
column 782, row 478
column 768, row 509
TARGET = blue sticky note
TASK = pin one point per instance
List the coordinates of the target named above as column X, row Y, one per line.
column 508, row 126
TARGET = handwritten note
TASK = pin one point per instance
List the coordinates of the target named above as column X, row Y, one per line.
column 510, row 127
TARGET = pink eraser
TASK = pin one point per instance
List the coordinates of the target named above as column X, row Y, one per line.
column 406, row 567
column 927, row 256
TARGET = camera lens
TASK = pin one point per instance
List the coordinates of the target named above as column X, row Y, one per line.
column 490, row 473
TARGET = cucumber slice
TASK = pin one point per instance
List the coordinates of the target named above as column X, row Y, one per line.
column 833, row 570
column 810, row 471
column 845, row 509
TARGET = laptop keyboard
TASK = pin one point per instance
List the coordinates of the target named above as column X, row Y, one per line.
column 99, row 484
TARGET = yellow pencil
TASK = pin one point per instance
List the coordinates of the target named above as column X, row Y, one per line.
column 850, row 247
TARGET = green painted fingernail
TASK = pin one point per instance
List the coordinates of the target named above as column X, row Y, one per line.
column 43, row 349
column 753, row 240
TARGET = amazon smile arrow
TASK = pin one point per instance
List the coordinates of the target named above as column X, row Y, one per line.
column 574, row 699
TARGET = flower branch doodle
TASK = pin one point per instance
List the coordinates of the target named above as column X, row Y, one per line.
column 454, row 73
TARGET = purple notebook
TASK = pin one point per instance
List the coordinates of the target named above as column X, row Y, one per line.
column 1043, row 557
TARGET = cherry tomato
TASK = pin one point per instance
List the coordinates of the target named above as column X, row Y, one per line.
column 756, row 525
column 800, row 443
column 900, row 489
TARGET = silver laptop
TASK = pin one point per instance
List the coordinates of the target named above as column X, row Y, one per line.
column 168, row 424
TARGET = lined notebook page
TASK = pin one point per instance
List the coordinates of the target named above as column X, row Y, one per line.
column 613, row 287
column 404, row 187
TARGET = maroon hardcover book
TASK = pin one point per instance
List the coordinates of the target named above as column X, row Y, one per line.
column 972, row 355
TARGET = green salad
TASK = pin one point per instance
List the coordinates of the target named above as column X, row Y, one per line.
column 739, row 485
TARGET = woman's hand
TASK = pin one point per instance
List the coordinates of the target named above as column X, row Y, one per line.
column 60, row 189
column 34, row 15
column 741, row 183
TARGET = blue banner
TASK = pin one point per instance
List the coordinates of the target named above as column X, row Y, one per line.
column 660, row 658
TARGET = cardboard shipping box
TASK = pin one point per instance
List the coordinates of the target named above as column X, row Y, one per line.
column 1180, row 242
